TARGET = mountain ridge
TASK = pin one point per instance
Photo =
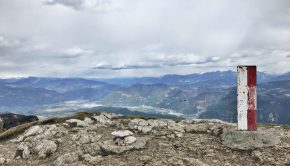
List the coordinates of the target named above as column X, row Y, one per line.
column 191, row 95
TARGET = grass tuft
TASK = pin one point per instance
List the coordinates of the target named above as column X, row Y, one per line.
column 15, row 131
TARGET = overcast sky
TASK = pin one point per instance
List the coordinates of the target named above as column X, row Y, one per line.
column 120, row 38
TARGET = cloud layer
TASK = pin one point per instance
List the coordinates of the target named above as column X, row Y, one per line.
column 92, row 5
column 115, row 38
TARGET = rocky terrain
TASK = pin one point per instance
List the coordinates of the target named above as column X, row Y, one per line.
column 108, row 139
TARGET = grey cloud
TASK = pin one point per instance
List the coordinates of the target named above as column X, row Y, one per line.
column 178, row 64
column 155, row 65
column 64, row 56
column 76, row 4
column 209, row 60
column 125, row 67
column 94, row 5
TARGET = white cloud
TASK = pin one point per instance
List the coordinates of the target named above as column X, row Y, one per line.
column 4, row 42
column 104, row 38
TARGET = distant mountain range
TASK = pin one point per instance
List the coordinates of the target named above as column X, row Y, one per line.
column 35, row 91
column 218, row 78
column 207, row 95
column 273, row 104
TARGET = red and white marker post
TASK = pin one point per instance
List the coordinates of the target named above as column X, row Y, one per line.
column 247, row 97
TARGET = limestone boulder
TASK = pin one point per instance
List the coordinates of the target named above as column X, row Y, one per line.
column 249, row 140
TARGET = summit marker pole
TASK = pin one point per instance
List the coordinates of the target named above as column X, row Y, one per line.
column 247, row 97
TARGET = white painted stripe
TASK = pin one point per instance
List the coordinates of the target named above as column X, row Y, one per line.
column 242, row 98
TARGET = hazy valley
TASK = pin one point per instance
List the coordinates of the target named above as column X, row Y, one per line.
column 208, row 95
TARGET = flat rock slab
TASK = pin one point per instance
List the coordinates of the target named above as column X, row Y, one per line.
column 246, row 140
column 108, row 147
column 122, row 133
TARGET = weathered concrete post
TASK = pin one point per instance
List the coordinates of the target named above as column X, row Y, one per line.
column 247, row 97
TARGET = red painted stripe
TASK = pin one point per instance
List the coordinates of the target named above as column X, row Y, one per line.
column 252, row 78
column 252, row 81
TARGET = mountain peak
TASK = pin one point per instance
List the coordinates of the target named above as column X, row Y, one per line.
column 109, row 139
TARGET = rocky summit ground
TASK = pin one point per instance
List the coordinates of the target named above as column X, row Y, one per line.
column 108, row 139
